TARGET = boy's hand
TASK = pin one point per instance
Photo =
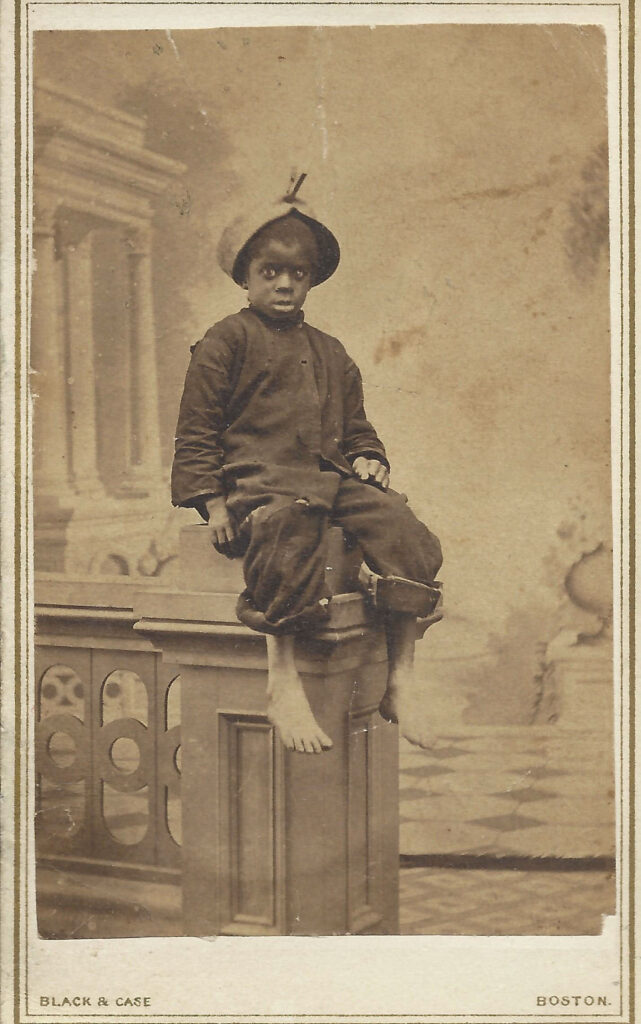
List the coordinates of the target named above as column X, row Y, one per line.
column 222, row 530
column 371, row 471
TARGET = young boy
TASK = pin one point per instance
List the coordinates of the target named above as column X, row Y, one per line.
column 272, row 441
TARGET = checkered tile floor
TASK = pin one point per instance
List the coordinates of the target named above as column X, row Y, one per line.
column 478, row 797
column 433, row 901
column 516, row 792
column 456, row 901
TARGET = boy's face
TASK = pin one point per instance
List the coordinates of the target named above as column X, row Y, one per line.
column 279, row 275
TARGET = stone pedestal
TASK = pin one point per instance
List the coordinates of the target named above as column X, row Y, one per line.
column 276, row 842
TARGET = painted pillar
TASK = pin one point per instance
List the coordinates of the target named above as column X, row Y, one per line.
column 48, row 381
column 82, row 369
column 144, row 470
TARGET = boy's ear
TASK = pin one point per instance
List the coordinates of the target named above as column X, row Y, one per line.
column 243, row 284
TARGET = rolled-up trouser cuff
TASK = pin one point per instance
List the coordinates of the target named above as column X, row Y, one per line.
column 396, row 594
column 312, row 617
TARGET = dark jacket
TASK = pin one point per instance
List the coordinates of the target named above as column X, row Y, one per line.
column 265, row 408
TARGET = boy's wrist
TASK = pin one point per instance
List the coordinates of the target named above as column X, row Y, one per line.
column 213, row 500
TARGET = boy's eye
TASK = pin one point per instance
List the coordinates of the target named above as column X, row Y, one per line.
column 269, row 272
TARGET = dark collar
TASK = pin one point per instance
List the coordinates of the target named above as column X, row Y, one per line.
column 280, row 323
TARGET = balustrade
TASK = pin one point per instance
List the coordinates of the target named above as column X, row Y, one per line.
column 107, row 733
column 275, row 842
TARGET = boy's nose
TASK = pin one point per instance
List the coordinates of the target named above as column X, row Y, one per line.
column 284, row 281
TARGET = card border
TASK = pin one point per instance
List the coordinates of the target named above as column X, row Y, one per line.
column 22, row 510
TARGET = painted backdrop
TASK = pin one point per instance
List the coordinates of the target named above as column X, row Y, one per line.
column 464, row 171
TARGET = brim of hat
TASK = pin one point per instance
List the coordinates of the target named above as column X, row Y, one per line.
column 329, row 253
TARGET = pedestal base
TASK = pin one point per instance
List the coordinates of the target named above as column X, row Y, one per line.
column 277, row 842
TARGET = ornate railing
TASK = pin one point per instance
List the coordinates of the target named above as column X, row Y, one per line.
column 107, row 733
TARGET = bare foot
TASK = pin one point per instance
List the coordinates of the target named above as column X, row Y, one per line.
column 287, row 706
column 406, row 708
column 386, row 708
column 290, row 713
column 405, row 701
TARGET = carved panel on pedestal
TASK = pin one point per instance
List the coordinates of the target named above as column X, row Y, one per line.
column 251, row 817
column 363, row 869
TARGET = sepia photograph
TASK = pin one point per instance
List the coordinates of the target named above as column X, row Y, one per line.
column 325, row 376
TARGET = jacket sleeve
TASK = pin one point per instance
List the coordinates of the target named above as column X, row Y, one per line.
column 197, row 470
column 359, row 436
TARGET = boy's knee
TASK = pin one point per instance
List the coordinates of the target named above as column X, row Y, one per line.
column 435, row 553
column 422, row 547
column 291, row 530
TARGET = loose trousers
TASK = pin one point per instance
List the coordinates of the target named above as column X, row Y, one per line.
column 286, row 545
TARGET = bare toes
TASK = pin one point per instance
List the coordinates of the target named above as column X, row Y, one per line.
column 386, row 712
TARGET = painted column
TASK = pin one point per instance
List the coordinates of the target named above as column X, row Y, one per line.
column 48, row 382
column 82, row 370
column 144, row 472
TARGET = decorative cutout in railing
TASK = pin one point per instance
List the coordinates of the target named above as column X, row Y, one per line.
column 107, row 741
